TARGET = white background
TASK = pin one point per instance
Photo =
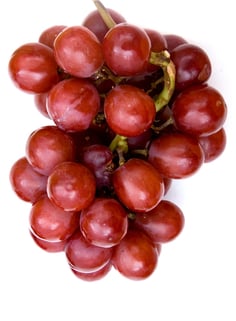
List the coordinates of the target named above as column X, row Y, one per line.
column 196, row 275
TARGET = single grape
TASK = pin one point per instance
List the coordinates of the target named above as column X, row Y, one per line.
column 129, row 111
column 163, row 223
column 49, row 246
column 199, row 110
column 93, row 276
column 138, row 185
column 99, row 159
column 94, row 22
column 48, row 36
column 40, row 101
column 73, row 104
column 104, row 222
column 33, row 69
column 174, row 41
column 176, row 155
column 141, row 141
column 192, row 64
column 136, row 256
column 51, row 223
column 126, row 49
column 85, row 257
column 28, row 184
column 213, row 145
column 78, row 51
column 48, row 146
column 71, row 186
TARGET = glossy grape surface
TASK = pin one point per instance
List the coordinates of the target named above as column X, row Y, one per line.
column 129, row 111
column 73, row 104
column 136, row 256
column 78, row 51
column 176, row 155
column 32, row 68
column 199, row 110
column 71, row 186
column 126, row 49
column 138, row 185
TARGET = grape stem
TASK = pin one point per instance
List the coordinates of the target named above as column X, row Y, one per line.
column 120, row 145
column 106, row 17
column 163, row 60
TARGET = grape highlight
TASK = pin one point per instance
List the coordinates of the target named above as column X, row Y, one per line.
column 130, row 110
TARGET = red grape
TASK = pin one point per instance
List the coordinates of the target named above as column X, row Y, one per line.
column 85, row 257
column 95, row 23
column 93, row 276
column 51, row 223
column 176, row 155
column 135, row 256
column 192, row 65
column 129, row 111
column 78, row 51
column 48, row 36
column 48, row 146
column 174, row 41
column 28, row 184
column 213, row 145
column 104, row 222
column 73, row 104
column 138, row 185
column 199, row 110
column 40, row 101
column 49, row 246
column 126, row 49
column 163, row 223
column 71, row 186
column 33, row 69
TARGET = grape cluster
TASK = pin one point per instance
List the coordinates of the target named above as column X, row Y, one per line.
column 130, row 110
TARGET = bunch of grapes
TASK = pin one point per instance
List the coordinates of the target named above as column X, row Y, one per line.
column 130, row 111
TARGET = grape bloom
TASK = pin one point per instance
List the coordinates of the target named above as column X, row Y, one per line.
column 130, row 110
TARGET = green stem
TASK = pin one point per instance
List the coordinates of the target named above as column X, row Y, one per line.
column 106, row 17
column 169, row 121
column 163, row 60
column 119, row 142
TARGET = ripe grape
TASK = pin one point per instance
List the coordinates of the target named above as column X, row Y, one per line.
column 95, row 23
column 85, row 257
column 126, row 49
column 93, row 276
column 73, row 104
column 192, row 65
column 40, row 101
column 176, row 155
column 104, row 222
column 78, row 51
column 174, row 41
column 48, row 36
column 33, row 69
column 213, row 145
column 129, row 111
column 50, row 222
column 71, row 186
column 28, row 184
column 199, row 110
column 49, row 246
column 163, row 223
column 136, row 256
column 138, row 185
column 48, row 146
